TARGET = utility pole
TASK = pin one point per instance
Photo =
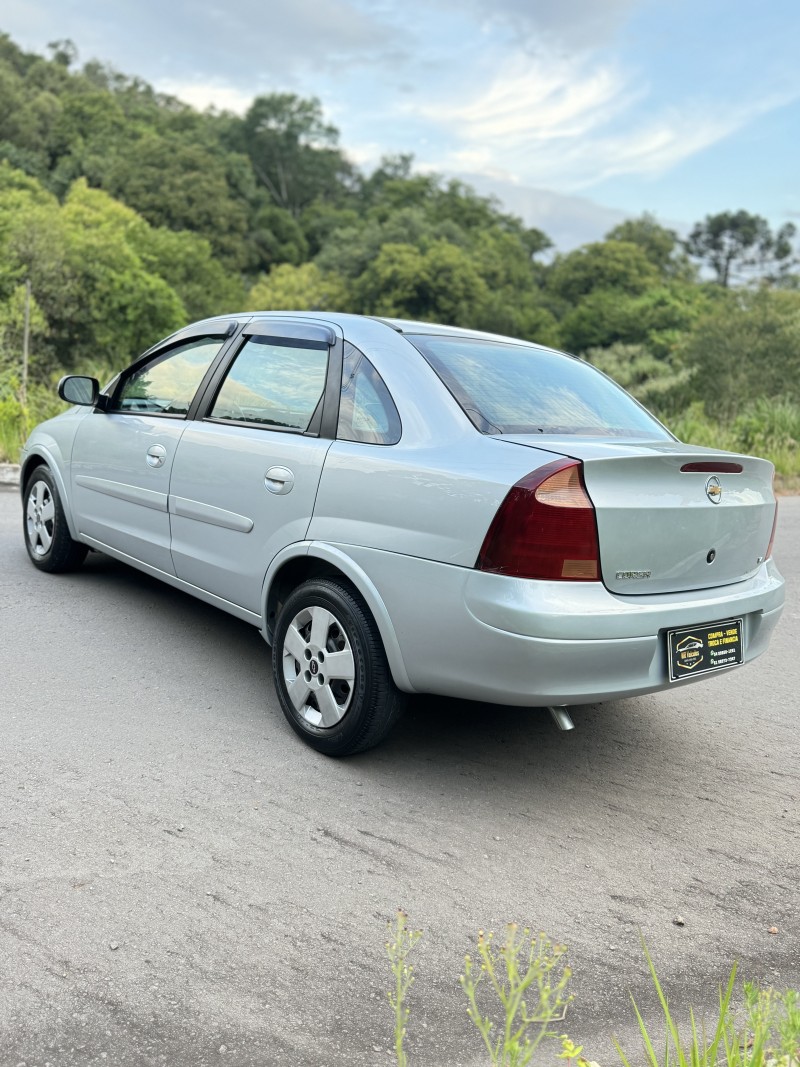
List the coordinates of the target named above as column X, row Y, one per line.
column 26, row 337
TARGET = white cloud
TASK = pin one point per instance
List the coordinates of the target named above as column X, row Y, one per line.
column 573, row 122
column 574, row 23
column 537, row 98
column 656, row 144
column 207, row 94
column 365, row 154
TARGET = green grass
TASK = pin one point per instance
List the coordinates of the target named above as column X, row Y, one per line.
column 765, row 1034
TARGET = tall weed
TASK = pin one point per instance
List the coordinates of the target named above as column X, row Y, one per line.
column 527, row 975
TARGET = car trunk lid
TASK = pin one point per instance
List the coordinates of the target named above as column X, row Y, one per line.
column 671, row 517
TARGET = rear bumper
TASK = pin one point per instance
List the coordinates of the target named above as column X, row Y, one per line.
column 467, row 634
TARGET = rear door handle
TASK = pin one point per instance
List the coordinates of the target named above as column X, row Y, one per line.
column 156, row 454
column 279, row 480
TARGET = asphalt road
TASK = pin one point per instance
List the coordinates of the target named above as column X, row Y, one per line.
column 183, row 882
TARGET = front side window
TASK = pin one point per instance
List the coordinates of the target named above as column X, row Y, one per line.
column 166, row 384
column 274, row 382
column 366, row 410
column 518, row 389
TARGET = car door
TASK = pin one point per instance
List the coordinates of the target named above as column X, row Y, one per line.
column 246, row 472
column 123, row 453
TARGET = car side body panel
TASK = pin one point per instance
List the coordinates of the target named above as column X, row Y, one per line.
column 436, row 502
column 226, row 529
column 119, row 481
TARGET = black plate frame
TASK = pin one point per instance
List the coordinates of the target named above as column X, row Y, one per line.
column 726, row 651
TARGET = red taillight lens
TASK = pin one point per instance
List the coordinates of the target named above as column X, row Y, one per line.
column 545, row 528
column 713, row 467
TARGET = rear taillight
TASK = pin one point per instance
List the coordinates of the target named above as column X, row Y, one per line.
column 545, row 528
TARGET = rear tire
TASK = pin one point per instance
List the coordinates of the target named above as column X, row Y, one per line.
column 47, row 536
column 330, row 669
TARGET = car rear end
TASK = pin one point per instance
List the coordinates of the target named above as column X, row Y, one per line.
column 614, row 561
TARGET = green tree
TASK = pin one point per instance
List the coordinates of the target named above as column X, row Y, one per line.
column 303, row 288
column 186, row 262
column 441, row 284
column 608, row 265
column 658, row 318
column 294, row 152
column 659, row 243
column 182, row 187
column 277, row 237
column 738, row 245
column 100, row 303
column 748, row 347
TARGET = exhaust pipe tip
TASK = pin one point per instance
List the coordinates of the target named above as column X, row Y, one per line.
column 561, row 717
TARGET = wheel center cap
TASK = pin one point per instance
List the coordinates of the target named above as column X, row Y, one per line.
column 313, row 667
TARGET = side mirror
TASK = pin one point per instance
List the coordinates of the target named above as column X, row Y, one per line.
column 77, row 389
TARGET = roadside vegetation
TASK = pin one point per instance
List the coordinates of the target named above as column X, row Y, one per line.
column 517, row 992
column 125, row 214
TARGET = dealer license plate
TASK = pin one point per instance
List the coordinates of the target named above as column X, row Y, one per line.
column 701, row 649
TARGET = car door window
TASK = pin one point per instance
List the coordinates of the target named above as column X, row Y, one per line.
column 366, row 410
column 275, row 383
column 167, row 383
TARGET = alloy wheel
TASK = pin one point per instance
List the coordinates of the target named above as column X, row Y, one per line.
column 318, row 666
column 40, row 517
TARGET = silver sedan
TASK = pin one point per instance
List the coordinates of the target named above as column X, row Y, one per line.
column 407, row 508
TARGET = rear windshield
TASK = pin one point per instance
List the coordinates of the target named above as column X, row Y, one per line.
column 508, row 388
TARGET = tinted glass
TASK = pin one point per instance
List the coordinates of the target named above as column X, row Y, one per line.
column 507, row 388
column 366, row 410
column 167, row 384
column 275, row 384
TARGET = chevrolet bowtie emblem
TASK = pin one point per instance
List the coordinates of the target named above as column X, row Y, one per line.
column 714, row 490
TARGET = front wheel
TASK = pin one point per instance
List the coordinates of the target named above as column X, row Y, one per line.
column 331, row 674
column 47, row 536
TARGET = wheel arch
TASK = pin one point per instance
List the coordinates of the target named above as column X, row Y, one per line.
column 311, row 559
column 40, row 456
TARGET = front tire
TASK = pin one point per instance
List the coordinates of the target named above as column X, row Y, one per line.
column 47, row 536
column 331, row 674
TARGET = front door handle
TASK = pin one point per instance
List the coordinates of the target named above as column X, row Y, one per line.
column 156, row 454
column 279, row 480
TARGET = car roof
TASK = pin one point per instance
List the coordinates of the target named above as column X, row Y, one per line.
column 350, row 322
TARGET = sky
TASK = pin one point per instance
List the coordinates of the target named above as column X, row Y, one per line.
column 575, row 113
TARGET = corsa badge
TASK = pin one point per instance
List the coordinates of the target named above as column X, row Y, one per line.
column 714, row 490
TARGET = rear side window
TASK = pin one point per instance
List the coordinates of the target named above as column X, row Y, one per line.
column 513, row 389
column 166, row 384
column 366, row 410
column 275, row 383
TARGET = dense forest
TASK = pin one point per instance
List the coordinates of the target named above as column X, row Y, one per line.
column 125, row 213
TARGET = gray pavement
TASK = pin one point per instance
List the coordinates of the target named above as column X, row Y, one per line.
column 182, row 882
